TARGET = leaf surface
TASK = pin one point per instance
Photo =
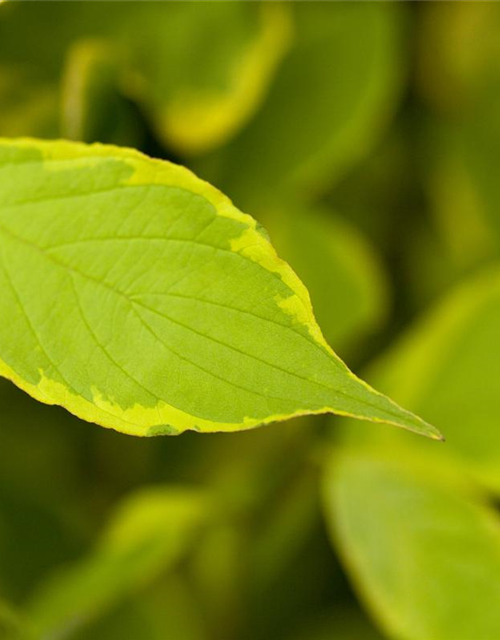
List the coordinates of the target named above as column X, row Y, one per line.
column 138, row 297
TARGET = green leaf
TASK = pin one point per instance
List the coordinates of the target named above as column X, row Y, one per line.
column 138, row 297
column 331, row 98
column 148, row 535
column 421, row 547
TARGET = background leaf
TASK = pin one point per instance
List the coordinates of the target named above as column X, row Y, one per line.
column 196, row 95
column 414, row 525
column 332, row 96
column 438, row 356
column 423, row 551
column 148, row 535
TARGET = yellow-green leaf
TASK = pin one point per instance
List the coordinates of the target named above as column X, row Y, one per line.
column 138, row 297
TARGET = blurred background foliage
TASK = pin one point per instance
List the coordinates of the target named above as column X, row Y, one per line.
column 365, row 137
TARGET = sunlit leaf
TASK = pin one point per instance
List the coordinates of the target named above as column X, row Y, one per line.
column 138, row 297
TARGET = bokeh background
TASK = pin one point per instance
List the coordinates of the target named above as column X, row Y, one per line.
column 365, row 137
